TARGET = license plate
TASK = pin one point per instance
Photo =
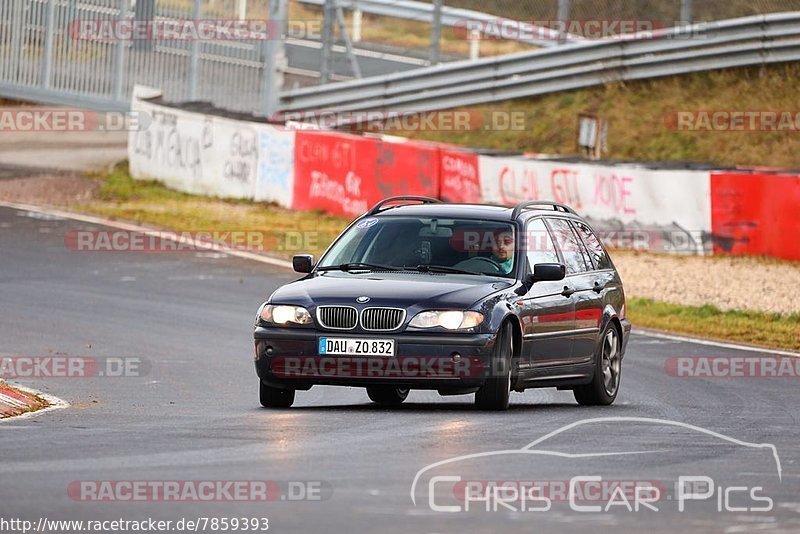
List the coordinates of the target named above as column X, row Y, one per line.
column 334, row 346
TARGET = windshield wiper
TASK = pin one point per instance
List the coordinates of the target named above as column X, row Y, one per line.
column 443, row 269
column 359, row 266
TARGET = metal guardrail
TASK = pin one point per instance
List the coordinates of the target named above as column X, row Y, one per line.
column 748, row 41
column 41, row 60
column 452, row 17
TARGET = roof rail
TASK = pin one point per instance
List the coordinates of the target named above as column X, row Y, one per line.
column 424, row 200
column 541, row 204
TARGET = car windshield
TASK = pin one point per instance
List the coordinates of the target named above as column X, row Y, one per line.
column 455, row 246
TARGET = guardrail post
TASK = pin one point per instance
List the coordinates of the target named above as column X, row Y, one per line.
column 119, row 56
column 686, row 12
column 47, row 60
column 194, row 58
column 436, row 32
column 274, row 59
column 357, row 14
column 474, row 44
column 563, row 19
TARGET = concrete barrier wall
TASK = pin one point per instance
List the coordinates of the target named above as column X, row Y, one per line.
column 632, row 206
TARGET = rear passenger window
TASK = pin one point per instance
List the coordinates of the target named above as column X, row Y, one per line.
column 596, row 251
column 539, row 244
column 574, row 255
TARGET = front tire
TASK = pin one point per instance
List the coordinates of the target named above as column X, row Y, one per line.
column 387, row 396
column 275, row 398
column 604, row 387
column 495, row 393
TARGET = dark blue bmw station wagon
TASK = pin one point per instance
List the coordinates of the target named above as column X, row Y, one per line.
column 461, row 299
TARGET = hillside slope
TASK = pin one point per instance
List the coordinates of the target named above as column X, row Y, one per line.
column 638, row 115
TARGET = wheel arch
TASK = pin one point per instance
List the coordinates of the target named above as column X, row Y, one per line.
column 516, row 333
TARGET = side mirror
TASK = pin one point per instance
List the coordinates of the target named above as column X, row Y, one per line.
column 303, row 263
column 549, row 272
column 542, row 272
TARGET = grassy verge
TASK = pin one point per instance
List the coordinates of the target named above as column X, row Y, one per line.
column 751, row 327
column 284, row 232
column 150, row 203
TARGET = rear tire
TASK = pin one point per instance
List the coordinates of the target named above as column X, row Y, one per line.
column 274, row 397
column 495, row 393
column 604, row 387
column 387, row 396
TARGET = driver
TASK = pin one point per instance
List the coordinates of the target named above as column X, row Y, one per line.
column 503, row 251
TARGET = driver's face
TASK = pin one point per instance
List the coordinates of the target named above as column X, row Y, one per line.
column 504, row 247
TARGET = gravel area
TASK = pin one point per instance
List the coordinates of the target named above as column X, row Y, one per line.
column 730, row 283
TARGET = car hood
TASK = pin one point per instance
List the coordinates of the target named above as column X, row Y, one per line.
column 402, row 290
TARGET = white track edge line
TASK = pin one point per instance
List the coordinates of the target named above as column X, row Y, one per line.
column 722, row 344
column 162, row 234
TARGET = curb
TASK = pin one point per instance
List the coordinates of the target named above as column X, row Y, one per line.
column 15, row 401
column 20, row 402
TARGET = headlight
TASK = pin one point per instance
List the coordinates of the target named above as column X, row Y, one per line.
column 284, row 315
column 451, row 320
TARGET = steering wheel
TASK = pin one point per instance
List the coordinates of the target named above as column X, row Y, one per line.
column 488, row 262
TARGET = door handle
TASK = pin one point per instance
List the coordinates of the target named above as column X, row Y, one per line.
column 568, row 291
column 598, row 288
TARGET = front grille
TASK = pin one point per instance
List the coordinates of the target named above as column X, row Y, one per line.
column 337, row 317
column 382, row 318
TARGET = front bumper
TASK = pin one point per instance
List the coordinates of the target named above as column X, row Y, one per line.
column 288, row 358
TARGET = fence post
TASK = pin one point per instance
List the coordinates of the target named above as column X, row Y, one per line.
column 274, row 59
column 119, row 56
column 47, row 60
column 146, row 11
column 194, row 58
column 327, row 40
column 17, row 27
column 351, row 54
column 436, row 32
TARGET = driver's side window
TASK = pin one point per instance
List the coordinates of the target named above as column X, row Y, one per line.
column 539, row 246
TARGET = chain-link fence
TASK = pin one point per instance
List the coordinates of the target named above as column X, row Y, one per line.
column 46, row 56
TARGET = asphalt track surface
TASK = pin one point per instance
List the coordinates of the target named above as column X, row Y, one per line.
column 195, row 414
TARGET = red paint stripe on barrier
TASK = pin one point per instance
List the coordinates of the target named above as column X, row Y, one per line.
column 347, row 174
column 756, row 214
column 460, row 176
